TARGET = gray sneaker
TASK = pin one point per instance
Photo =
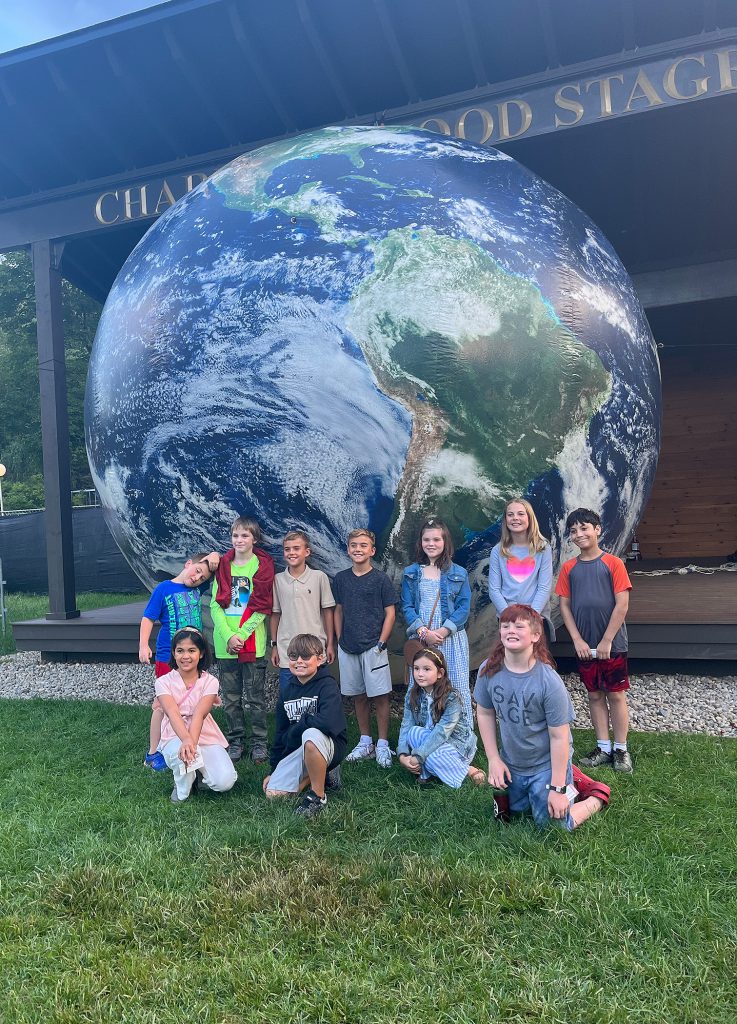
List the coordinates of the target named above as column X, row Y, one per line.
column 235, row 751
column 259, row 753
column 596, row 758
column 622, row 761
column 334, row 779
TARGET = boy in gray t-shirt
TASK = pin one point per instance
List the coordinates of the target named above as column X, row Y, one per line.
column 519, row 691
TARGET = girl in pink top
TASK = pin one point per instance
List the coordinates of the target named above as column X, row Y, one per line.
column 191, row 740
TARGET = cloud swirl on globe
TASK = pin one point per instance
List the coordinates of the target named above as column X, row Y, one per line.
column 364, row 326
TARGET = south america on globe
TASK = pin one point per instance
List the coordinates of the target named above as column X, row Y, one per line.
column 363, row 327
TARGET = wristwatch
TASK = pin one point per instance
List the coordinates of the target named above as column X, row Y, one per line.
column 273, row 643
column 381, row 646
column 557, row 789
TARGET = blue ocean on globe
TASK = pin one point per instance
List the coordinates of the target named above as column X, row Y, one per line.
column 367, row 326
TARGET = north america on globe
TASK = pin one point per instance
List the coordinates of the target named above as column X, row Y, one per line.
column 367, row 326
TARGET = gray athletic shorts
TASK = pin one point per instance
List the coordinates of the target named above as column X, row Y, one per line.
column 367, row 673
column 290, row 771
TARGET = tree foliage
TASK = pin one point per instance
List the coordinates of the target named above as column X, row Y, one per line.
column 20, row 418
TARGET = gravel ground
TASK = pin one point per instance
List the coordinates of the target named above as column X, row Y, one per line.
column 658, row 703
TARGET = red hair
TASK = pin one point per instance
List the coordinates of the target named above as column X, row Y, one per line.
column 540, row 649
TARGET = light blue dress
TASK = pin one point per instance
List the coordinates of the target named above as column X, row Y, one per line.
column 454, row 648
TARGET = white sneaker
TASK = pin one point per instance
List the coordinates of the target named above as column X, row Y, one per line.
column 361, row 752
column 384, row 756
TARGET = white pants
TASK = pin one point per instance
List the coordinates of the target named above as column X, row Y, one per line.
column 219, row 775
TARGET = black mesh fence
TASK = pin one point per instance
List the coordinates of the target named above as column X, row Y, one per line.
column 98, row 564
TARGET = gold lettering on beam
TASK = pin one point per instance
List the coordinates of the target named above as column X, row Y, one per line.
column 566, row 103
column 700, row 84
column 443, row 129
column 487, row 123
column 727, row 69
column 605, row 92
column 98, row 208
column 643, row 89
column 129, row 202
column 166, row 198
column 525, row 111
column 190, row 181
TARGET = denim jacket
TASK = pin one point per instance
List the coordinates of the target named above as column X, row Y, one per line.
column 452, row 728
column 455, row 597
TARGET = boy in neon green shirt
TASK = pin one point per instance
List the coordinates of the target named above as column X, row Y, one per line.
column 240, row 605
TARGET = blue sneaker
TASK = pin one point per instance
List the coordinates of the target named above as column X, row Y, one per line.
column 155, row 761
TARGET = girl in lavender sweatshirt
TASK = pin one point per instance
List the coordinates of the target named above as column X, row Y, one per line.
column 521, row 565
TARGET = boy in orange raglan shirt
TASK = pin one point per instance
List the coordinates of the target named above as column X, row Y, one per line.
column 594, row 598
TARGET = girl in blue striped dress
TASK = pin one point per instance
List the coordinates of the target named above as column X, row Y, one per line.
column 434, row 738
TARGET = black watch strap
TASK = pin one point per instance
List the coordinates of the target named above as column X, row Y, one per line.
column 557, row 789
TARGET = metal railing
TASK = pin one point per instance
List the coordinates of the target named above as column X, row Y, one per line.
column 89, row 499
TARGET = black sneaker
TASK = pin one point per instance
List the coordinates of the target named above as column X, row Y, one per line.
column 334, row 779
column 622, row 761
column 596, row 758
column 310, row 805
column 235, row 751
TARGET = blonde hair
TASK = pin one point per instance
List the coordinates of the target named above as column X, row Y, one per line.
column 535, row 540
column 361, row 532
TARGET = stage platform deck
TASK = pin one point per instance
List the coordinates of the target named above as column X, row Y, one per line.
column 671, row 617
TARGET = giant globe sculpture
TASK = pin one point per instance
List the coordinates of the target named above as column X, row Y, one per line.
column 364, row 326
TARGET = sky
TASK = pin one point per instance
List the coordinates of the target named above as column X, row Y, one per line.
column 30, row 21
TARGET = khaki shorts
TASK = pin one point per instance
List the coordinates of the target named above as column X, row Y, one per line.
column 366, row 673
column 290, row 771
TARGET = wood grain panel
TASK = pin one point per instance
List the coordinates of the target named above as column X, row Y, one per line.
column 692, row 511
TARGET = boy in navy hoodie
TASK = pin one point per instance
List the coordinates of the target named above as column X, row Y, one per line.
column 311, row 730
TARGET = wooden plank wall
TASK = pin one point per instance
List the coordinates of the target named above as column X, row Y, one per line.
column 692, row 511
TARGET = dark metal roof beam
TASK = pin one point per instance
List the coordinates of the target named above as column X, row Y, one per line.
column 130, row 85
column 400, row 63
column 94, row 126
column 349, row 108
column 546, row 22
column 264, row 80
column 229, row 131
column 469, row 37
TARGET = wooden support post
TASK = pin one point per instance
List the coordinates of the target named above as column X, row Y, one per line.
column 54, row 432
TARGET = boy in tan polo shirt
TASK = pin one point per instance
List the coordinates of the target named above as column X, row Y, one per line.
column 303, row 603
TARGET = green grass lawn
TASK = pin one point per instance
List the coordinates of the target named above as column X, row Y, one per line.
column 397, row 904
column 35, row 606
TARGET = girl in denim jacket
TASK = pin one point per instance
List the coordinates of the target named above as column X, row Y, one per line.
column 434, row 738
column 436, row 601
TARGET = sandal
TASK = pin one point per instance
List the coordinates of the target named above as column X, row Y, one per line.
column 587, row 787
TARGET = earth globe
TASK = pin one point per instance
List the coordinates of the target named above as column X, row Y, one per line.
column 365, row 326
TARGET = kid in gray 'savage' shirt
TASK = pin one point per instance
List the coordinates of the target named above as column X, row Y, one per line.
column 526, row 705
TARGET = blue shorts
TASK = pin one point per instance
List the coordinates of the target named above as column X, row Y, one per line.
column 528, row 793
